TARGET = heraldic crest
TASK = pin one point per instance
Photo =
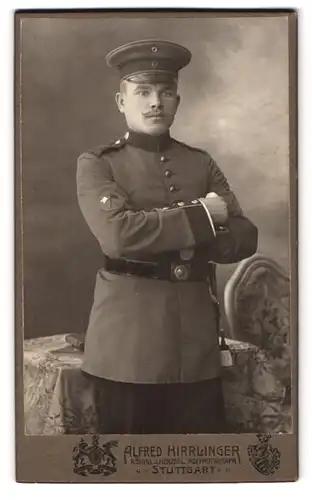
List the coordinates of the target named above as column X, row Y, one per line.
column 263, row 456
column 95, row 458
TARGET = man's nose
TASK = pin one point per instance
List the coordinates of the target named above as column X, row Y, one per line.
column 155, row 101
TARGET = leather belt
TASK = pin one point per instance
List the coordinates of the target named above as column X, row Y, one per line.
column 170, row 270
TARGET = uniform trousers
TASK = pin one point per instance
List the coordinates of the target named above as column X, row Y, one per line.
column 188, row 408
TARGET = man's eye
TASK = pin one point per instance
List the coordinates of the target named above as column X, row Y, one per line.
column 143, row 92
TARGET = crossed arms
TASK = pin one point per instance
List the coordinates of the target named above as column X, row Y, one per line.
column 124, row 232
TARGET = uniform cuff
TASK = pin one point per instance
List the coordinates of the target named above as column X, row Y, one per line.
column 201, row 223
column 209, row 216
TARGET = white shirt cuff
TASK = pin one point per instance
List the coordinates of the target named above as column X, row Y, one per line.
column 209, row 217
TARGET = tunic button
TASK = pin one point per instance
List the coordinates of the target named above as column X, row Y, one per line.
column 168, row 173
column 162, row 159
column 172, row 189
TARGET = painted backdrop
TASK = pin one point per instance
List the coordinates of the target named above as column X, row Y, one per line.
column 234, row 104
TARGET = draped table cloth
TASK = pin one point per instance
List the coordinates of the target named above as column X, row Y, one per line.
column 58, row 399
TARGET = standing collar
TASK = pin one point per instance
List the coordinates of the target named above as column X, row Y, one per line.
column 148, row 142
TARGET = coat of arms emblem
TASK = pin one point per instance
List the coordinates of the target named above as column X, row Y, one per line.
column 263, row 456
column 94, row 458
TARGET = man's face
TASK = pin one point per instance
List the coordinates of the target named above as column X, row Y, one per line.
column 149, row 108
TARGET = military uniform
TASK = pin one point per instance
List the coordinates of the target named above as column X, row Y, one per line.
column 152, row 324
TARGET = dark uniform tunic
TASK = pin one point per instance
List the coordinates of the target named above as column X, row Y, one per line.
column 149, row 329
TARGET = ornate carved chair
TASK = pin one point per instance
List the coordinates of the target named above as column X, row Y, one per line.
column 257, row 307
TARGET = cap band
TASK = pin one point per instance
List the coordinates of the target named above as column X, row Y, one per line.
column 145, row 66
column 152, row 77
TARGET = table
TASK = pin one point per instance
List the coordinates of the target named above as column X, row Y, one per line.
column 58, row 399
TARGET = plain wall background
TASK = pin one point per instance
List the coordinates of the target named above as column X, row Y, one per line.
column 234, row 104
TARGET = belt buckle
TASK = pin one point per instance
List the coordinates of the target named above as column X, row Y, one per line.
column 180, row 272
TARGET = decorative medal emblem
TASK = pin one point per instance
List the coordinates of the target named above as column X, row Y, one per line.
column 263, row 456
column 95, row 458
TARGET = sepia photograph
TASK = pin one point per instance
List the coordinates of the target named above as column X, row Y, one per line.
column 156, row 242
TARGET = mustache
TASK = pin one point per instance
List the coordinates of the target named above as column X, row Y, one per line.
column 154, row 114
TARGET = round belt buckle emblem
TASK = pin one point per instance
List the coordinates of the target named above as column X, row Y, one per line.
column 181, row 272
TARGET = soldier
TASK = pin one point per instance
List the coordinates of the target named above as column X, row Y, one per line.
column 163, row 214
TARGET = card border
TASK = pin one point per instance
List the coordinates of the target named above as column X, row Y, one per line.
column 45, row 450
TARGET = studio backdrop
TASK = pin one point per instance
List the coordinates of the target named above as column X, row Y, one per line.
column 234, row 105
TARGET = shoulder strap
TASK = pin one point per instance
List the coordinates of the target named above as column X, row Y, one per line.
column 193, row 148
column 104, row 149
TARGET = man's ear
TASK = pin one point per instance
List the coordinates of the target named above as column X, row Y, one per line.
column 120, row 101
column 178, row 100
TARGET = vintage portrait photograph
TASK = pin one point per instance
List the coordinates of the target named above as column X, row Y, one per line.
column 156, row 245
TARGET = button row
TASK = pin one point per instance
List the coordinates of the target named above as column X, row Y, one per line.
column 181, row 203
column 168, row 173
